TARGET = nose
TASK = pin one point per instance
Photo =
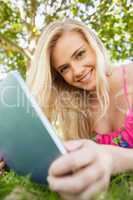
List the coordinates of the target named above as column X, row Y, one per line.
column 77, row 71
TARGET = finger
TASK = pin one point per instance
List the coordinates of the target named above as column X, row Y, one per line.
column 74, row 145
column 95, row 189
column 77, row 182
column 71, row 162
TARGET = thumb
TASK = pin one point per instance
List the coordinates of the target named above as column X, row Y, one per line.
column 73, row 145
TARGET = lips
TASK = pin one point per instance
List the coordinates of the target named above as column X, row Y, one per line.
column 86, row 77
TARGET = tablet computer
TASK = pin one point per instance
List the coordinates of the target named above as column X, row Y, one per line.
column 28, row 142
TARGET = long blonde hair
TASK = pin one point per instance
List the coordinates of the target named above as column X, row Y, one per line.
column 67, row 107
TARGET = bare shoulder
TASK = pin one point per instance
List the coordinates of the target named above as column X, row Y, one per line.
column 118, row 77
column 129, row 69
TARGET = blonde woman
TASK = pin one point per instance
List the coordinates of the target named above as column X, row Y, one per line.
column 89, row 102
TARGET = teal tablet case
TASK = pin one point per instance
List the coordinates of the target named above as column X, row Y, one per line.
column 28, row 142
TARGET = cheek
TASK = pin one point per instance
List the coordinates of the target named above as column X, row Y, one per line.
column 90, row 59
column 68, row 78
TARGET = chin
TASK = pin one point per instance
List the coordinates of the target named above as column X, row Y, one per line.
column 89, row 87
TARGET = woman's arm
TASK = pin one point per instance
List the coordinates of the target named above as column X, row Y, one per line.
column 87, row 168
column 81, row 173
column 122, row 158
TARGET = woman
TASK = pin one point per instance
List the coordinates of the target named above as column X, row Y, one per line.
column 86, row 99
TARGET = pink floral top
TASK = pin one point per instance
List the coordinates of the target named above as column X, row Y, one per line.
column 122, row 137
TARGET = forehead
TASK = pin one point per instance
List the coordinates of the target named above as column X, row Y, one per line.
column 66, row 45
column 68, row 37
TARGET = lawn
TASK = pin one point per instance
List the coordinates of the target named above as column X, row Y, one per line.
column 13, row 187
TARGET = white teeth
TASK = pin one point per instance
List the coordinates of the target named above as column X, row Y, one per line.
column 86, row 78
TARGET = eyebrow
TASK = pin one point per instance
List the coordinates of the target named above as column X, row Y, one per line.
column 71, row 57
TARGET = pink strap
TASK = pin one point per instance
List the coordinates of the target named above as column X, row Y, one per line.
column 125, row 86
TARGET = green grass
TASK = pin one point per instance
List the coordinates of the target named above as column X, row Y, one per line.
column 13, row 187
column 121, row 188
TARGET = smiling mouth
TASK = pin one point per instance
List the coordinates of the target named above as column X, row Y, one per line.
column 86, row 78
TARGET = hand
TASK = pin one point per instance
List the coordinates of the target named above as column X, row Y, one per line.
column 83, row 172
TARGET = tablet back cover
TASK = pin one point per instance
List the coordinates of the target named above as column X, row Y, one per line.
column 27, row 141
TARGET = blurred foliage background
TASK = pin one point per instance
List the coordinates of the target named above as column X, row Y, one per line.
column 22, row 21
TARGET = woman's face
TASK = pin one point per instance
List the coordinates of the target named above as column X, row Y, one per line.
column 75, row 61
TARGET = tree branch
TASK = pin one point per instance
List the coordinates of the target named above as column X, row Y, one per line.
column 8, row 44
